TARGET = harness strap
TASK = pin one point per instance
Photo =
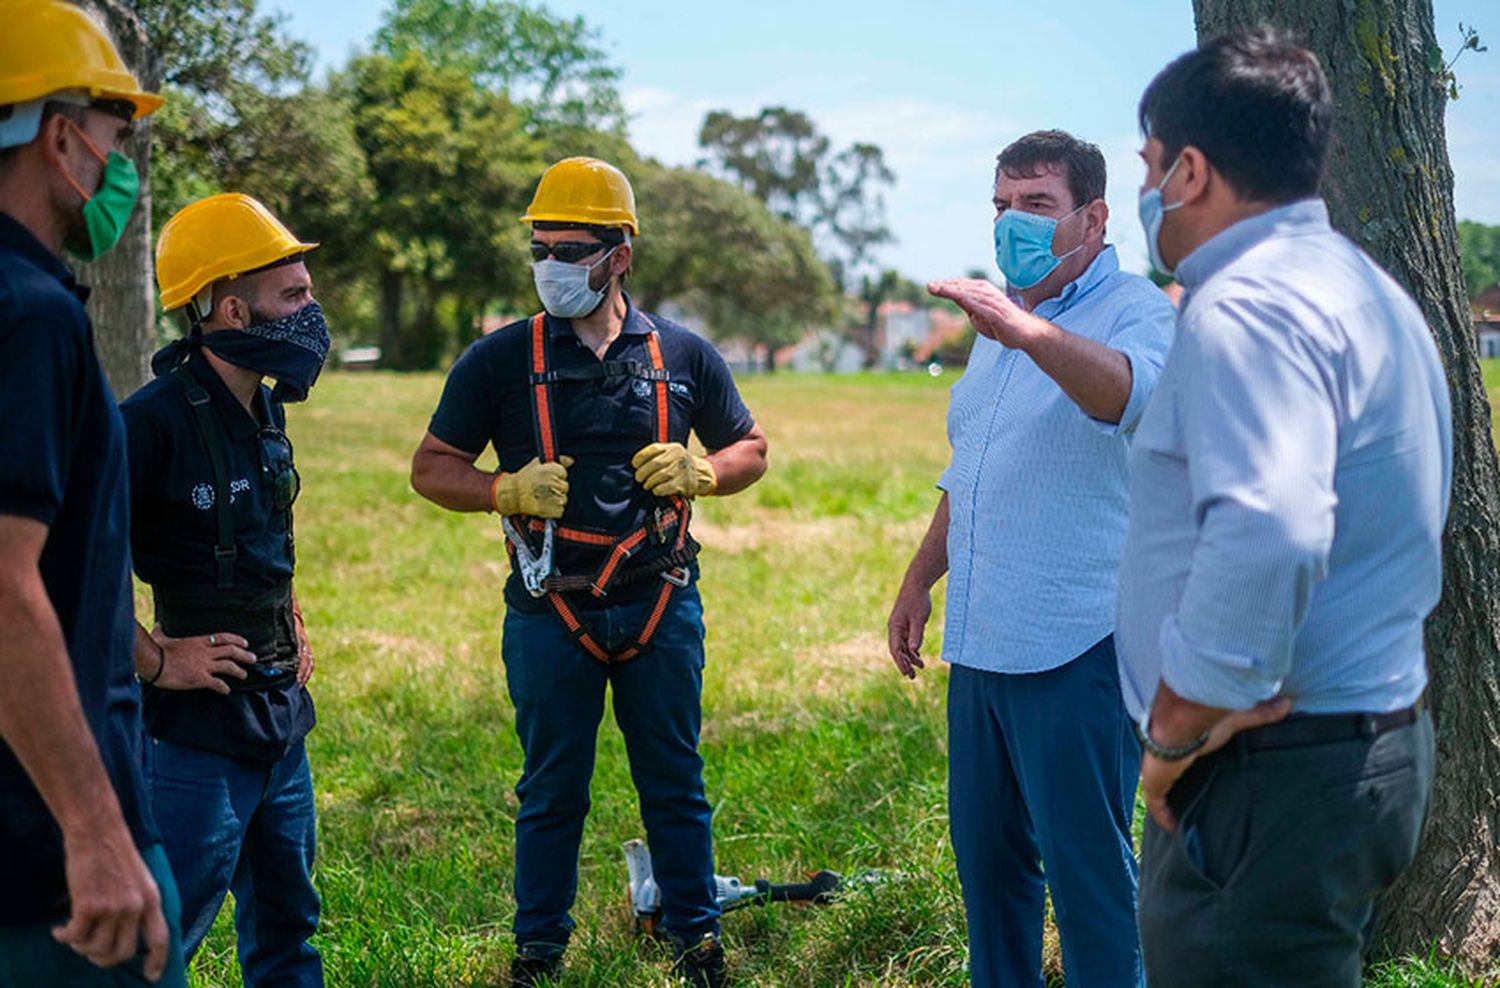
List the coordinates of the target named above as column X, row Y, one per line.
column 211, row 430
column 621, row 548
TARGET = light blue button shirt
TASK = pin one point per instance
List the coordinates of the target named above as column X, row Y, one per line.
column 1289, row 481
column 1037, row 490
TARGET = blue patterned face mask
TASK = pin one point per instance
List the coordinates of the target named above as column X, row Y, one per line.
column 290, row 349
column 1023, row 247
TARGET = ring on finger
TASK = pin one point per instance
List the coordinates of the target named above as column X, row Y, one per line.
column 213, row 639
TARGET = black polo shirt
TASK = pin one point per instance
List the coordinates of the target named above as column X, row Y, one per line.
column 601, row 423
column 174, row 528
column 62, row 463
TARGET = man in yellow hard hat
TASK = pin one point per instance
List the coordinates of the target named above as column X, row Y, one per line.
column 86, row 897
column 211, row 487
column 589, row 406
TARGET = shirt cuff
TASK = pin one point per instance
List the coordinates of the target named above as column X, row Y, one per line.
column 1134, row 405
column 1214, row 679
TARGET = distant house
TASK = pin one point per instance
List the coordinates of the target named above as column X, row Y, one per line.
column 1486, row 309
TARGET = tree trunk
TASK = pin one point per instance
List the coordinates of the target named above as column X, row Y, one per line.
column 1390, row 188
column 123, row 306
column 390, row 318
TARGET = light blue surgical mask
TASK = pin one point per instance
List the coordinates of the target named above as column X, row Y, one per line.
column 1152, row 211
column 1023, row 247
column 564, row 288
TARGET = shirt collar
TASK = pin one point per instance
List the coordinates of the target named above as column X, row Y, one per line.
column 238, row 422
column 1104, row 265
column 18, row 238
column 637, row 323
column 1213, row 255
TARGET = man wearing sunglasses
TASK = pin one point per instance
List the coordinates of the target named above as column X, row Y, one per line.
column 589, row 406
column 226, row 666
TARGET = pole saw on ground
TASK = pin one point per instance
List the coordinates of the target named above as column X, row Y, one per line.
column 821, row 888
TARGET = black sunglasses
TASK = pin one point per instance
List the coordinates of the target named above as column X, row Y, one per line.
column 276, row 460
column 569, row 251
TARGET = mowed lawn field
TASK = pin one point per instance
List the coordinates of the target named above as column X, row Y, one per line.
column 818, row 753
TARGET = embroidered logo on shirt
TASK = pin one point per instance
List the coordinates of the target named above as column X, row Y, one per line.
column 641, row 388
column 203, row 498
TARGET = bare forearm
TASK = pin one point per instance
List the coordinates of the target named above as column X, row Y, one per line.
column 740, row 464
column 148, row 655
column 451, row 482
column 41, row 718
column 931, row 560
column 1095, row 376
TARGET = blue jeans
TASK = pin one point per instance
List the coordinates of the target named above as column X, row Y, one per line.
column 558, row 692
column 30, row 957
column 230, row 824
column 1042, row 768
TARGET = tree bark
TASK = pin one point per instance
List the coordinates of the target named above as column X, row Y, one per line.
column 123, row 307
column 1390, row 188
column 391, row 285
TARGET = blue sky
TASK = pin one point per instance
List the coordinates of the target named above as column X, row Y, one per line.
column 941, row 91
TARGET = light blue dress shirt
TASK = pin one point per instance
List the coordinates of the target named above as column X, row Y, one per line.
column 1037, row 490
column 1289, row 481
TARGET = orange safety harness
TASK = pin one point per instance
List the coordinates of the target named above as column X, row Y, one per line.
column 668, row 524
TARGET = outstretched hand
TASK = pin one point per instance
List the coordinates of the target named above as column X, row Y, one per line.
column 991, row 311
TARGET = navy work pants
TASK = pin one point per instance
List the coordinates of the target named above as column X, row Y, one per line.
column 558, row 692
column 1042, row 771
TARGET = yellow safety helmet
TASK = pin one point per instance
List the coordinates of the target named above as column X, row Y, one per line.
column 222, row 236
column 584, row 190
column 48, row 46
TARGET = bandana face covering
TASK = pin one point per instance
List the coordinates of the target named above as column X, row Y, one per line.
column 291, row 349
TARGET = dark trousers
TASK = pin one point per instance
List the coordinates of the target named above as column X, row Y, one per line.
column 1279, row 858
column 31, row 958
column 230, row 824
column 558, row 692
column 1042, row 771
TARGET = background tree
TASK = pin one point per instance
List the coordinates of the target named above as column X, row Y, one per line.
column 453, row 169
column 1390, row 188
column 780, row 157
column 1479, row 250
column 776, row 156
column 122, row 306
column 553, row 68
column 723, row 255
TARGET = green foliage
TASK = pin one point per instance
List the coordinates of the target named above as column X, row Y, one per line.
column 553, row 67
column 780, row 157
column 1443, row 69
column 1479, row 251
column 241, row 116
column 452, row 167
column 722, row 254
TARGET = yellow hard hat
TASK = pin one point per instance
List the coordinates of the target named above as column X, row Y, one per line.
column 584, row 190
column 219, row 237
column 48, row 46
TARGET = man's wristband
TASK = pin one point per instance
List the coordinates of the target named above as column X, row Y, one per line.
column 161, row 664
column 1177, row 754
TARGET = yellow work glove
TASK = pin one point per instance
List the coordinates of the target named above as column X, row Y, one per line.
column 537, row 489
column 667, row 469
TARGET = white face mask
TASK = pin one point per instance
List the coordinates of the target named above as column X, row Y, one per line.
column 564, row 288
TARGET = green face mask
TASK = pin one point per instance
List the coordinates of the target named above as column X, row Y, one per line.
column 106, row 212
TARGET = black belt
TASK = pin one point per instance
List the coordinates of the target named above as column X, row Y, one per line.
column 1301, row 730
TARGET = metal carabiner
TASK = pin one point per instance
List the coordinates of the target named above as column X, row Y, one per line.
column 534, row 567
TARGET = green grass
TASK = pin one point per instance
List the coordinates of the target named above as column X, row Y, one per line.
column 818, row 754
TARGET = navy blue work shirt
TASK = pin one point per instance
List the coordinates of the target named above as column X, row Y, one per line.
column 174, row 528
column 62, row 463
column 601, row 423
